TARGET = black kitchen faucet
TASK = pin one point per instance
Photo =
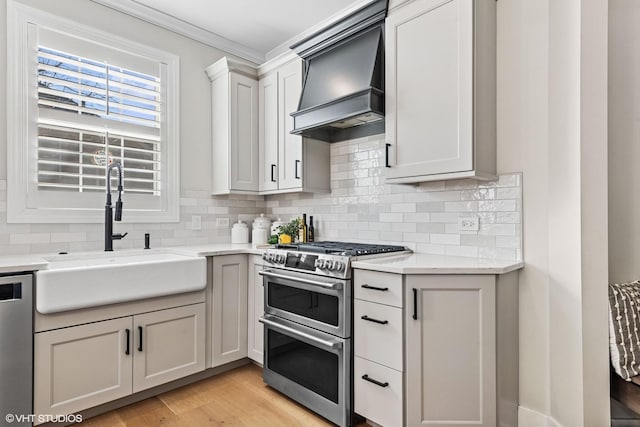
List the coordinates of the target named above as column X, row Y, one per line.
column 109, row 237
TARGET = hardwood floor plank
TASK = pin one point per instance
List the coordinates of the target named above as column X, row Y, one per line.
column 235, row 398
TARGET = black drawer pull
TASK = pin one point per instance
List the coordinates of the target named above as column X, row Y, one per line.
column 415, row 304
column 296, row 169
column 273, row 173
column 128, row 332
column 371, row 380
column 374, row 288
column 369, row 319
column 140, row 336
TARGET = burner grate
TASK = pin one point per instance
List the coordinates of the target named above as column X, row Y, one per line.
column 342, row 248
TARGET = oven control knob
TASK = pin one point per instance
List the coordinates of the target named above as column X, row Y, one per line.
column 330, row 265
column 319, row 263
column 339, row 266
column 265, row 256
column 280, row 258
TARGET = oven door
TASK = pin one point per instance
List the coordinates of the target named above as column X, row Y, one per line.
column 321, row 303
column 309, row 366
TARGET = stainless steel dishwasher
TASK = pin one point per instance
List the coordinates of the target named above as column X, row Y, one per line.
column 16, row 349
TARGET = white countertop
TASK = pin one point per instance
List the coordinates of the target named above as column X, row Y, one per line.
column 17, row 264
column 437, row 264
column 415, row 263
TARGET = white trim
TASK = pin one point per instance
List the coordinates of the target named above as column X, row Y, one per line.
column 276, row 62
column 530, row 418
column 284, row 46
column 21, row 21
column 171, row 23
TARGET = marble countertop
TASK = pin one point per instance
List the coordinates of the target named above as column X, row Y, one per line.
column 417, row 263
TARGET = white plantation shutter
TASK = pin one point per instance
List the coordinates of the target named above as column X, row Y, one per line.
column 82, row 98
column 88, row 108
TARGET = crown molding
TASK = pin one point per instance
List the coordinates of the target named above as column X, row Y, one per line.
column 161, row 19
column 284, row 47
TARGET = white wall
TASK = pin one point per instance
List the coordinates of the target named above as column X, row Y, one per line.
column 552, row 126
column 624, row 135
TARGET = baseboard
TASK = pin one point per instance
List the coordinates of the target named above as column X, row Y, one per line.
column 530, row 418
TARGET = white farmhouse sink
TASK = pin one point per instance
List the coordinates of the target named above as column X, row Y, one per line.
column 71, row 282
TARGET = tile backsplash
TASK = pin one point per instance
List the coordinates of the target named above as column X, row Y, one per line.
column 424, row 217
column 360, row 207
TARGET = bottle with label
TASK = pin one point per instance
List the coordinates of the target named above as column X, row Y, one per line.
column 311, row 232
column 302, row 231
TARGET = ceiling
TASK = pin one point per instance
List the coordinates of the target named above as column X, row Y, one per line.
column 257, row 29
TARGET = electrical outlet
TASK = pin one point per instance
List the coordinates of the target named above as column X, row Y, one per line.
column 471, row 223
column 222, row 222
column 196, row 222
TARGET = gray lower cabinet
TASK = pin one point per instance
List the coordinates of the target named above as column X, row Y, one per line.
column 79, row 367
column 255, row 331
column 229, row 309
column 461, row 350
column 436, row 350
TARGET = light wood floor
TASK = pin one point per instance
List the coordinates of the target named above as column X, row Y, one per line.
column 235, row 398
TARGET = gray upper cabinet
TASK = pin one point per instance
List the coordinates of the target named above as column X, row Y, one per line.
column 234, row 127
column 440, row 90
column 287, row 163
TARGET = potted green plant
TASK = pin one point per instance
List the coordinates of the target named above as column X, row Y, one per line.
column 289, row 230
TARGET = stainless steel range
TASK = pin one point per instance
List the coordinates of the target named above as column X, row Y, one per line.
column 308, row 323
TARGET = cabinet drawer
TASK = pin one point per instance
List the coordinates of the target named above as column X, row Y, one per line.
column 378, row 333
column 379, row 403
column 383, row 288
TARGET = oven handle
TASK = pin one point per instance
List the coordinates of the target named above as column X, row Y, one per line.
column 324, row 343
column 327, row 285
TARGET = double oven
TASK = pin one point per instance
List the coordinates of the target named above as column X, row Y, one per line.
column 308, row 347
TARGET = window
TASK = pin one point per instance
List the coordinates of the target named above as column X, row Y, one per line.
column 86, row 99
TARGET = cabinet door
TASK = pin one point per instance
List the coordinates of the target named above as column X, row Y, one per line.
column 83, row 366
column 290, row 150
column 255, row 331
column 168, row 344
column 229, row 305
column 450, row 351
column 268, row 134
column 243, row 118
column 429, row 88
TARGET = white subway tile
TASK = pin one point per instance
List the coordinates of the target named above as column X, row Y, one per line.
column 68, row 237
column 403, row 207
column 390, row 217
column 445, row 239
column 29, row 239
column 461, row 206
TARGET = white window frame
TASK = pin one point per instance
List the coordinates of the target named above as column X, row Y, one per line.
column 22, row 113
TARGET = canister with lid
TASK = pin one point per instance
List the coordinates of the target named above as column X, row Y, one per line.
column 260, row 230
column 240, row 233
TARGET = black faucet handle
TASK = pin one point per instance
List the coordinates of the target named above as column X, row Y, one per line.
column 118, row 213
column 119, row 236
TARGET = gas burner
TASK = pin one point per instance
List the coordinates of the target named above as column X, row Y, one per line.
column 342, row 248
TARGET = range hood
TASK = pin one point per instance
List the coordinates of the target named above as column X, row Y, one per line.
column 343, row 89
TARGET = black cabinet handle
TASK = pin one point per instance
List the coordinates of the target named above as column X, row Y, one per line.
column 378, row 383
column 369, row 319
column 297, row 163
column 140, row 338
column 273, row 173
column 386, row 155
column 415, row 304
column 374, row 288
column 128, row 332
